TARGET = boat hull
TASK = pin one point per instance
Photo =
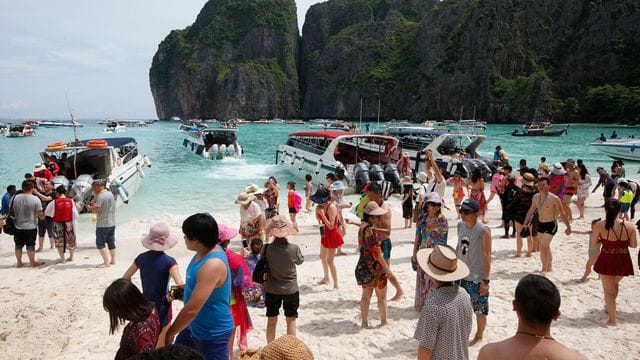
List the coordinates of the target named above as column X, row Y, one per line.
column 620, row 151
column 544, row 133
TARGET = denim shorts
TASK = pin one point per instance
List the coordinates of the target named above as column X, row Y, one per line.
column 385, row 245
column 216, row 349
column 106, row 235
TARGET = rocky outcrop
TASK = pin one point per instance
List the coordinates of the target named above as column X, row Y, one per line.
column 500, row 60
column 237, row 60
column 510, row 60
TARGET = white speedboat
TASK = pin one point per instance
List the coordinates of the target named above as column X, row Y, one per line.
column 192, row 125
column 59, row 123
column 354, row 157
column 20, row 130
column 116, row 161
column 454, row 153
column 214, row 143
column 619, row 149
column 115, row 127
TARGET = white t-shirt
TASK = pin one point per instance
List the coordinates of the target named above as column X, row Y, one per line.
column 250, row 213
column 437, row 187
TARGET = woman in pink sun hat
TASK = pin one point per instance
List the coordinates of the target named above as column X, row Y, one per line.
column 156, row 268
column 240, row 280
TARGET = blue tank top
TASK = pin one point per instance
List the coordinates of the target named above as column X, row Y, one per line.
column 214, row 319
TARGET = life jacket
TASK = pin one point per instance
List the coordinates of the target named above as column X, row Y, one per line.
column 557, row 185
column 63, row 210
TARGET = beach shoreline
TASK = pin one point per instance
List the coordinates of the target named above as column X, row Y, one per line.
column 55, row 311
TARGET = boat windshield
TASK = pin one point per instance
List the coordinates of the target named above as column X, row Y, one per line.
column 313, row 144
column 454, row 144
column 352, row 150
column 219, row 137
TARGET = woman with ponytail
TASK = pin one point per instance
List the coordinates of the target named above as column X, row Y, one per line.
column 613, row 237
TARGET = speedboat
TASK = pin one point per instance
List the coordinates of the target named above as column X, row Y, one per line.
column 214, row 143
column 33, row 123
column 59, row 123
column 355, row 158
column 540, row 128
column 127, row 123
column 295, row 122
column 454, row 153
column 20, row 130
column 192, row 125
column 4, row 129
column 116, row 161
column 395, row 122
column 619, row 149
column 115, row 127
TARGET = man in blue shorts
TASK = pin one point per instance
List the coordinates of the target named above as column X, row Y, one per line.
column 105, row 209
column 474, row 249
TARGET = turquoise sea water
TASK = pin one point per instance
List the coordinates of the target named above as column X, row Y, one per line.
column 180, row 182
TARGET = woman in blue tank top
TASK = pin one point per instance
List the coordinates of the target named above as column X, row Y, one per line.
column 205, row 322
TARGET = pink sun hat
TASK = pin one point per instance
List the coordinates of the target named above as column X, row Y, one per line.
column 226, row 233
column 159, row 238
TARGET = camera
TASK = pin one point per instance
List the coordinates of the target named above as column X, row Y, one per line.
column 177, row 292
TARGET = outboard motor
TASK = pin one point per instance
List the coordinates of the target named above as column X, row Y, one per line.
column 361, row 175
column 392, row 175
column 376, row 173
column 231, row 150
column 213, row 151
column 61, row 180
column 81, row 188
column 472, row 164
column 223, row 150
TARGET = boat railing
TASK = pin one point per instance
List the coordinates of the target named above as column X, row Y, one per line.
column 309, row 146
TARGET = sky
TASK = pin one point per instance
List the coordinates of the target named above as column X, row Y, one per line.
column 96, row 53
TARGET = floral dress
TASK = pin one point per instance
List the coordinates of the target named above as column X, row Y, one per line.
column 431, row 231
column 369, row 272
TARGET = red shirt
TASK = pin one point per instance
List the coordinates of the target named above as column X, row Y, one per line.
column 43, row 174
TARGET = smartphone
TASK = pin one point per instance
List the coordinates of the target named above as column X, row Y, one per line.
column 245, row 243
column 321, row 227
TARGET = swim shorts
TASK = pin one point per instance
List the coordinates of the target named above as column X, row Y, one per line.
column 550, row 227
column 624, row 208
column 292, row 210
column 386, row 248
column 570, row 191
column 480, row 303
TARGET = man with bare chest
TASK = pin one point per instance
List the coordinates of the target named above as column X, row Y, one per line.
column 573, row 178
column 549, row 207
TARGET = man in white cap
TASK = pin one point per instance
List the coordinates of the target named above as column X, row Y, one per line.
column 447, row 316
column 474, row 248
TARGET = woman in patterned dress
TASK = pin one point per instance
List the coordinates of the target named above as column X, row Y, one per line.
column 432, row 229
column 476, row 192
column 372, row 271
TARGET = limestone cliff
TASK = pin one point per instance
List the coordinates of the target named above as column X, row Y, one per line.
column 238, row 59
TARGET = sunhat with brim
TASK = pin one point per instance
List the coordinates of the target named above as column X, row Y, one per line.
column 226, row 233
column 442, row 263
column 558, row 169
column 278, row 226
column 337, row 185
column 243, row 198
column 406, row 180
column 528, row 179
column 372, row 208
column 159, row 238
column 433, row 197
column 253, row 189
column 39, row 167
column 422, row 177
column 286, row 347
column 321, row 196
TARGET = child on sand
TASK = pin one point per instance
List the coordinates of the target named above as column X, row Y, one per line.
column 155, row 269
column 294, row 202
column 308, row 190
column 593, row 253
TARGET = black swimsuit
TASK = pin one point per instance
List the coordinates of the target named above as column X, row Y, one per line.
column 550, row 227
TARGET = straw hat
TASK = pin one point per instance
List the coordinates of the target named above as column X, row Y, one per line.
column 226, row 233
column 558, row 169
column 372, row 208
column 278, row 226
column 528, row 179
column 39, row 167
column 244, row 198
column 286, row 347
column 406, row 180
column 253, row 189
column 442, row 263
column 159, row 238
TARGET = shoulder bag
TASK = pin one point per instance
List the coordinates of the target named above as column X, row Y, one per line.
column 261, row 271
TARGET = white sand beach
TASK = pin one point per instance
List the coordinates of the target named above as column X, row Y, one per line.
column 56, row 312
